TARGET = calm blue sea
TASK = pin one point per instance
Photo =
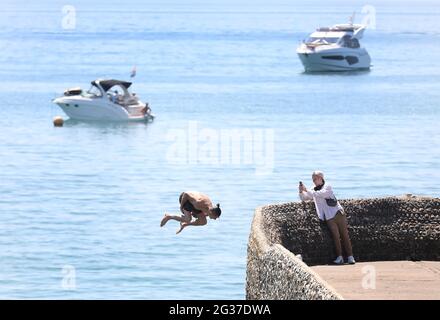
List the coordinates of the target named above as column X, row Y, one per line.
column 80, row 206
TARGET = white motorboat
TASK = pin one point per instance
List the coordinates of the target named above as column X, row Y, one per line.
column 335, row 48
column 107, row 100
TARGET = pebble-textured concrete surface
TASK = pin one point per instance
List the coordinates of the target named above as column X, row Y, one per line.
column 382, row 229
column 273, row 272
column 384, row 280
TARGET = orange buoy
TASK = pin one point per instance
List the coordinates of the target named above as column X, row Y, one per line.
column 58, row 121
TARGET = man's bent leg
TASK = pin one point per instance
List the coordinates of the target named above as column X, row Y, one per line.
column 182, row 218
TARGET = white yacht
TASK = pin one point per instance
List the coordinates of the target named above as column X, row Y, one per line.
column 335, row 48
column 105, row 100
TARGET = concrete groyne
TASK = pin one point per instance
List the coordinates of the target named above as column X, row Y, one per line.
column 286, row 239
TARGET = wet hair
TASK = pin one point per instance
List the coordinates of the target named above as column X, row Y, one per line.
column 217, row 210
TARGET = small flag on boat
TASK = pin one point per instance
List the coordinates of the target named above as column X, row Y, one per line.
column 133, row 72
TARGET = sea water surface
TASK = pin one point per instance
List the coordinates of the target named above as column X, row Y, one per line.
column 80, row 205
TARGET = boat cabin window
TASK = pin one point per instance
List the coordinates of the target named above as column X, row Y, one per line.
column 94, row 92
column 355, row 43
column 322, row 40
column 349, row 42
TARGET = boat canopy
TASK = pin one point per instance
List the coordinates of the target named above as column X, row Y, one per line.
column 107, row 84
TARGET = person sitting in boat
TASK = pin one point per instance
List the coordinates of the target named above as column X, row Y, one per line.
column 115, row 96
column 196, row 205
column 146, row 110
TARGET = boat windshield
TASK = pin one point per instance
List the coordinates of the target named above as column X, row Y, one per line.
column 118, row 89
column 94, row 92
column 322, row 40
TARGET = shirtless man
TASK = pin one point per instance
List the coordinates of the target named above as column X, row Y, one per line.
column 196, row 205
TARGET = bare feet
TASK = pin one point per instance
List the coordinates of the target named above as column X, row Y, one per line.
column 178, row 231
column 182, row 225
column 165, row 219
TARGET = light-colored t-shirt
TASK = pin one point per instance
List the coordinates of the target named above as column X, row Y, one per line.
column 324, row 211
